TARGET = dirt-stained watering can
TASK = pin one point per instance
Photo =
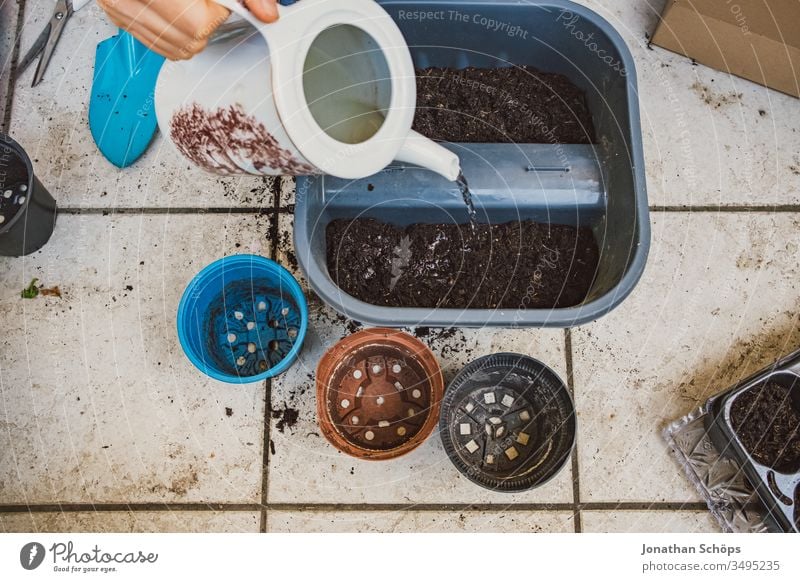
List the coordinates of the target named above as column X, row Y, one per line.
column 328, row 88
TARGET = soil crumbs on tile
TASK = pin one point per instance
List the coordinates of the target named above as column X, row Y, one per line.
column 505, row 105
column 768, row 424
column 287, row 417
column 517, row 265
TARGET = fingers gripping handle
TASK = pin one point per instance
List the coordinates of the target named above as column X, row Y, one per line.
column 285, row 8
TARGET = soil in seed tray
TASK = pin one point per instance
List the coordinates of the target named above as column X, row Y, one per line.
column 512, row 265
column 511, row 104
column 768, row 425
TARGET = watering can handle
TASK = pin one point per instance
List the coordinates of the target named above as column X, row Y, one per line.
column 285, row 7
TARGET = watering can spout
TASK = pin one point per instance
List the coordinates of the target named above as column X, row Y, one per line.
column 421, row 151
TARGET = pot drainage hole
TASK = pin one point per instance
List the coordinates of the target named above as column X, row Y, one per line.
column 503, row 432
column 251, row 327
column 380, row 399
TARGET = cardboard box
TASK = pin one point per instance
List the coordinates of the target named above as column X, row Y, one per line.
column 755, row 39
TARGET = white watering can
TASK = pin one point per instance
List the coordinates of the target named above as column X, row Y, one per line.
column 328, row 88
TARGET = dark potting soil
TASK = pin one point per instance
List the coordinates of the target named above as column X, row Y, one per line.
column 768, row 424
column 512, row 104
column 13, row 184
column 516, row 265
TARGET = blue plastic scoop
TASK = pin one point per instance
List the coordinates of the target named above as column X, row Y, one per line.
column 121, row 107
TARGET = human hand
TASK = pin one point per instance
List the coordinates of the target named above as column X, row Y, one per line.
column 178, row 29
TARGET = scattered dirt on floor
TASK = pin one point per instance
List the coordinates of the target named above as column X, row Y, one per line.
column 767, row 422
column 505, row 105
column 517, row 265
column 53, row 291
column 286, row 416
column 713, row 98
column 795, row 167
column 228, row 411
column 180, row 483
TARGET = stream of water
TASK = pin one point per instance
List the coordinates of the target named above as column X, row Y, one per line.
column 463, row 187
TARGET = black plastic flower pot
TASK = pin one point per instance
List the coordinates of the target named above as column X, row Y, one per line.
column 27, row 210
column 508, row 422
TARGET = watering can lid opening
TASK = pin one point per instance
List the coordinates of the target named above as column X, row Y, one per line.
column 289, row 44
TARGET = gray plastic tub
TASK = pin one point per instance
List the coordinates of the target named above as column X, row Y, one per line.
column 600, row 185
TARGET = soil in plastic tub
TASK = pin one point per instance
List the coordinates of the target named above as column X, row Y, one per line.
column 13, row 186
column 502, row 105
column 513, row 265
column 768, row 425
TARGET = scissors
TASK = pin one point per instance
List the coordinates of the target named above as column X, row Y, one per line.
column 46, row 42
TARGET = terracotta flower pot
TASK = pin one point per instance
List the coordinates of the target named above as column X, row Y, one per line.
column 378, row 394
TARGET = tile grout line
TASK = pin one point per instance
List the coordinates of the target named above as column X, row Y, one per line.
column 5, row 123
column 786, row 208
column 273, row 235
column 576, row 484
column 363, row 507
column 279, row 210
column 265, row 457
column 166, row 210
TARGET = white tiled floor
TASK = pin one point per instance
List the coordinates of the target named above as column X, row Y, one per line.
column 421, row 521
column 133, row 521
column 99, row 405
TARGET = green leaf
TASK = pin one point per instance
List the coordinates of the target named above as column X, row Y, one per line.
column 31, row 291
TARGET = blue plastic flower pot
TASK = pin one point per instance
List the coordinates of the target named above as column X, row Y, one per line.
column 242, row 319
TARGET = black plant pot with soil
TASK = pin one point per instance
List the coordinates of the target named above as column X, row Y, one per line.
column 757, row 423
column 27, row 210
